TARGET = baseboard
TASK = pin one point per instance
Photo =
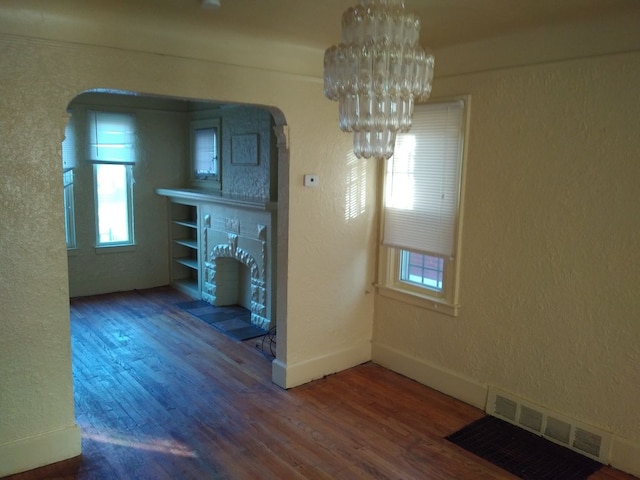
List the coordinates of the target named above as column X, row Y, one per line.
column 40, row 450
column 444, row 381
column 625, row 455
column 291, row 375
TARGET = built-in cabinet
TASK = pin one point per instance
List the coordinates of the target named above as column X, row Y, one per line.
column 185, row 247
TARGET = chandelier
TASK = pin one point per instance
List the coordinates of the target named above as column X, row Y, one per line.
column 376, row 73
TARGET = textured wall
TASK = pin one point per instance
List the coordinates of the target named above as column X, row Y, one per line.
column 244, row 173
column 329, row 265
column 35, row 369
column 551, row 246
column 161, row 162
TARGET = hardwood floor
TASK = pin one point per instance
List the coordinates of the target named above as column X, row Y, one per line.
column 161, row 395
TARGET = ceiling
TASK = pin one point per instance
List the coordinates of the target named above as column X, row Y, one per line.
column 316, row 23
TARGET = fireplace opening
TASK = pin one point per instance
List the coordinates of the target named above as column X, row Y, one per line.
column 233, row 283
column 236, row 275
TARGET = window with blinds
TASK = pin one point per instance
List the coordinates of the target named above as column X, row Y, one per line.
column 205, row 158
column 111, row 137
column 205, row 153
column 422, row 201
column 111, row 149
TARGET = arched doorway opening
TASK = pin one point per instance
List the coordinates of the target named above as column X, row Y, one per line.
column 164, row 143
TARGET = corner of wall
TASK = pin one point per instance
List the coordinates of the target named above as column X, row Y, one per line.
column 289, row 375
column 40, row 450
column 447, row 382
column 625, row 455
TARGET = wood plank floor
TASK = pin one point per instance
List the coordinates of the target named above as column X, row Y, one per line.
column 161, row 395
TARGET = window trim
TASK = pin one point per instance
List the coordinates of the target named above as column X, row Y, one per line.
column 392, row 287
column 69, row 163
column 433, row 292
column 128, row 121
column 208, row 181
column 389, row 284
column 68, row 202
column 130, row 223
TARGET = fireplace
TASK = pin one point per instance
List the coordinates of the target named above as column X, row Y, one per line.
column 237, row 260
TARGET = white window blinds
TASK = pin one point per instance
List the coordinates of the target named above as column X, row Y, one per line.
column 422, row 182
column 111, row 137
column 206, row 151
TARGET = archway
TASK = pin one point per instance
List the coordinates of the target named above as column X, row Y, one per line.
column 128, row 99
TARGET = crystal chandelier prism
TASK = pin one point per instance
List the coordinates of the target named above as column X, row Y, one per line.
column 377, row 73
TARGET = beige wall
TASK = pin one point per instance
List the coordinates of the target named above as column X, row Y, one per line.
column 550, row 244
column 162, row 132
column 328, row 266
column 550, row 249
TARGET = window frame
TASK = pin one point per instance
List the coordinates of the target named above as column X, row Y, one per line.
column 69, row 209
column 128, row 161
column 69, row 163
column 211, row 182
column 390, row 258
column 129, row 194
column 405, row 265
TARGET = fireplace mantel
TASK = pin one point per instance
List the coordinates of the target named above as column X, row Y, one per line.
column 209, row 196
column 212, row 235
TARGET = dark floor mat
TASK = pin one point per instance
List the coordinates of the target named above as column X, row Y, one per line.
column 234, row 320
column 522, row 453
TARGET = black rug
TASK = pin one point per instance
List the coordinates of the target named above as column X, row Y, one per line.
column 234, row 320
column 522, row 453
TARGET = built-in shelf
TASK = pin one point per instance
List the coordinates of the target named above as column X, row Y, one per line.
column 187, row 242
column 187, row 262
column 184, row 247
column 188, row 286
column 186, row 223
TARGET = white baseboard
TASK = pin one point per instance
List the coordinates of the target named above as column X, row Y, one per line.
column 291, row 375
column 625, row 455
column 433, row 376
column 40, row 450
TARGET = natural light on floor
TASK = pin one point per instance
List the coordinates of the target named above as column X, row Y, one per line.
column 160, row 445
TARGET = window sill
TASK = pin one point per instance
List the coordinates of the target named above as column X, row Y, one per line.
column 415, row 299
column 104, row 249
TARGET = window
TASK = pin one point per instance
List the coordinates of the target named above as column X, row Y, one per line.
column 112, row 152
column 113, row 203
column 69, row 209
column 205, row 153
column 68, row 164
column 423, row 270
column 422, row 195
